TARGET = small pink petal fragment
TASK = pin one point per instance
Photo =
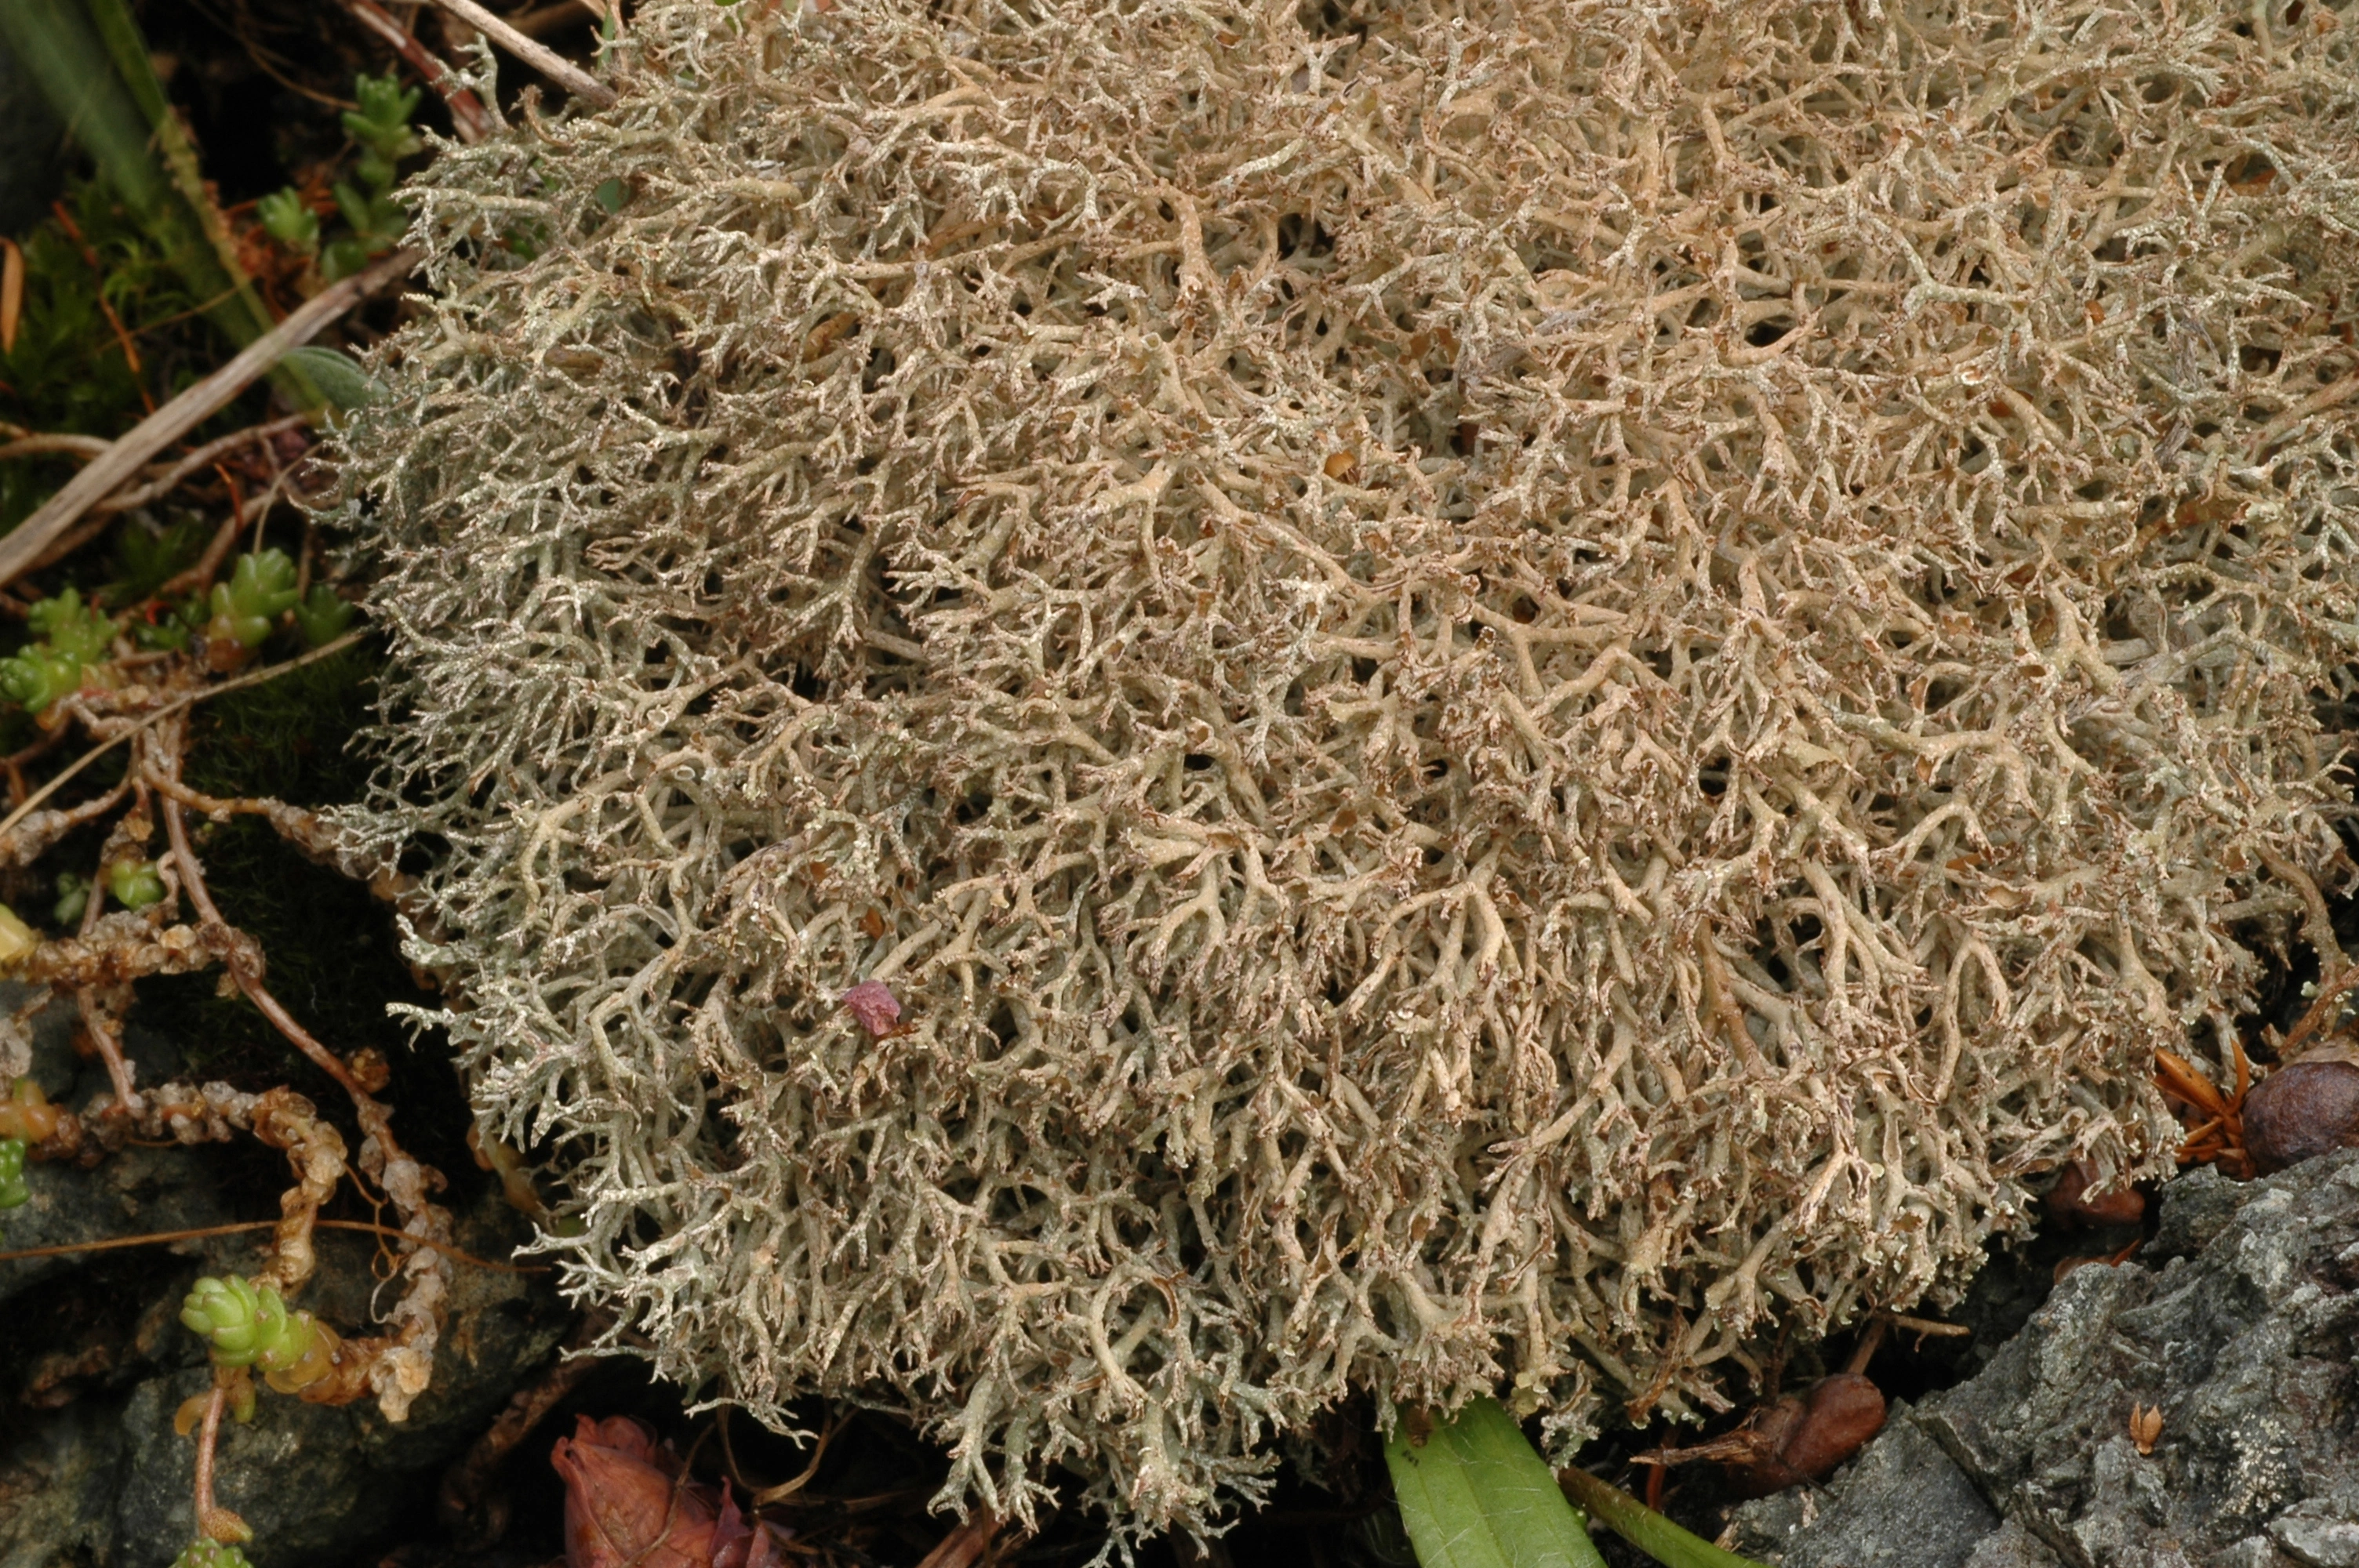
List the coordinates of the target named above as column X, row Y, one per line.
column 874, row 1007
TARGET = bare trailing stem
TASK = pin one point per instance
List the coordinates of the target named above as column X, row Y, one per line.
column 214, row 1521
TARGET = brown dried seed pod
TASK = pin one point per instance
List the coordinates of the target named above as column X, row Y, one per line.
column 1803, row 1437
column 2300, row 1110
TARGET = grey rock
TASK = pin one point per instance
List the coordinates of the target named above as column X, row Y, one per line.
column 56, row 1490
column 2321, row 1532
column 2238, row 1322
column 1903, row 1505
column 138, row 1190
column 2254, row 1551
column 2011, row 1546
column 135, row 1191
column 1767, row 1526
column 2196, row 1208
column 317, row 1482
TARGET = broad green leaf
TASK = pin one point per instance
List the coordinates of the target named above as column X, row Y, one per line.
column 1645, row 1529
column 1474, row 1495
column 337, row 377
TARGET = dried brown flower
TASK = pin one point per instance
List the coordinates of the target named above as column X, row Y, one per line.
column 2146, row 1426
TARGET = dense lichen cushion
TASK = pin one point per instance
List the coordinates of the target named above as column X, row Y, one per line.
column 1509, row 690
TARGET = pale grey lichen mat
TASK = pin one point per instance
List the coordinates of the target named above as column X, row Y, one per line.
column 1508, row 690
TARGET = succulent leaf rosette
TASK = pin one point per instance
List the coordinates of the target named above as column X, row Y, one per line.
column 211, row 1554
column 1503, row 694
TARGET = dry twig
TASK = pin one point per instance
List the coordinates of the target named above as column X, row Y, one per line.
column 533, row 52
column 185, row 412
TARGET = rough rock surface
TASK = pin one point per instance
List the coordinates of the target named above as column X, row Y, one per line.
column 138, row 1190
column 92, row 1474
column 2238, row 1321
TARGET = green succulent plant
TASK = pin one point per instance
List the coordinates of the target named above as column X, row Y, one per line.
column 77, row 629
column 247, row 1323
column 322, row 617
column 211, row 1554
column 240, row 1322
column 381, row 128
column 135, row 884
column 261, row 588
column 71, row 636
column 286, row 218
column 73, row 897
column 172, row 626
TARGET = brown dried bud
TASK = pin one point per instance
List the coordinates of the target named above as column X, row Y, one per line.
column 2299, row 1110
column 369, row 1069
column 1804, row 1437
column 2071, row 1203
column 1843, row 1412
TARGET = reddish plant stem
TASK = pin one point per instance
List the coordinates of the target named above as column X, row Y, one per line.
column 467, row 115
column 214, row 1521
column 193, row 878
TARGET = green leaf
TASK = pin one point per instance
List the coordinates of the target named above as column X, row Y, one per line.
column 337, row 377
column 1474, row 1495
column 1645, row 1529
column 14, row 1192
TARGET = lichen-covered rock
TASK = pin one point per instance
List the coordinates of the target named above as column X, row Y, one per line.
column 2239, row 1328
column 1499, row 689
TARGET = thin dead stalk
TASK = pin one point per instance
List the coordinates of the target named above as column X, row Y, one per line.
column 203, row 457
column 192, row 879
column 185, row 412
column 188, row 699
column 537, row 55
column 962, row 1546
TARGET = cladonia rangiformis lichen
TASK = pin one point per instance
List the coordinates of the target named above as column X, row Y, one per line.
column 1508, row 690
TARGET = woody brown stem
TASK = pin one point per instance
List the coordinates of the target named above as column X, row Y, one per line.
column 193, row 877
